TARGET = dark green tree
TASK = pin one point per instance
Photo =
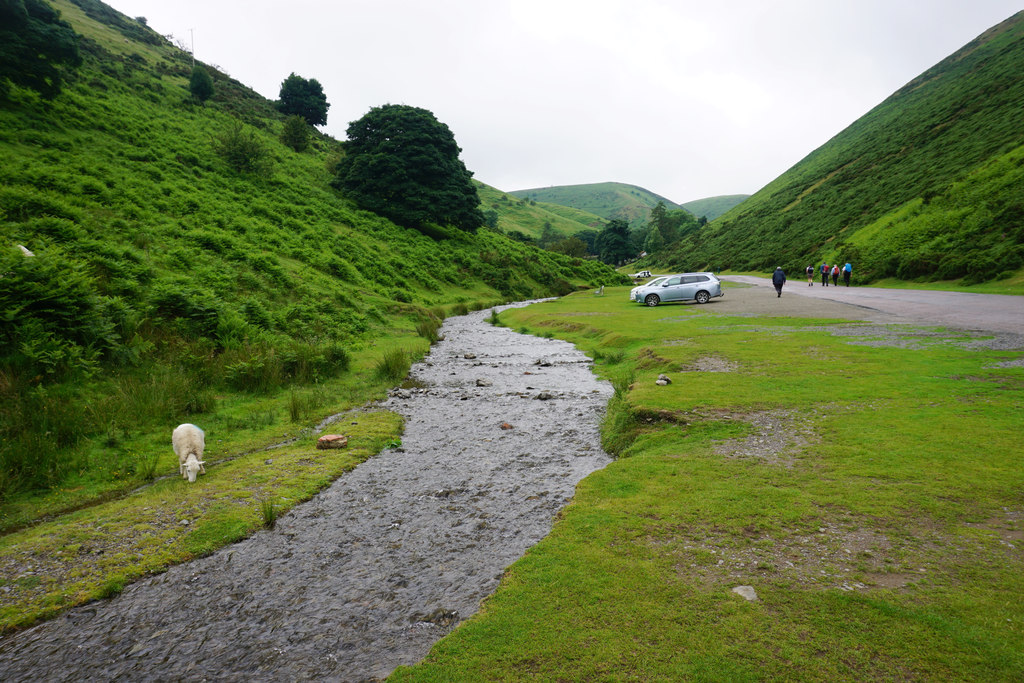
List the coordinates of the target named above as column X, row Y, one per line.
column 295, row 133
column 36, row 47
column 304, row 97
column 201, row 84
column 613, row 243
column 402, row 163
column 570, row 246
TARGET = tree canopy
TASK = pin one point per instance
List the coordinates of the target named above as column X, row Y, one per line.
column 402, row 163
column 613, row 242
column 36, row 47
column 305, row 98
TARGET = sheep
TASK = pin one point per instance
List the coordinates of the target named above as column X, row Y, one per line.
column 189, row 442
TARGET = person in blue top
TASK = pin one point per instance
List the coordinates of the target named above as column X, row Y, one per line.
column 779, row 279
column 847, row 271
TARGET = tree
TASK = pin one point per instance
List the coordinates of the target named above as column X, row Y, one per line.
column 613, row 242
column 570, row 246
column 200, row 85
column 402, row 163
column 295, row 133
column 36, row 47
column 304, row 98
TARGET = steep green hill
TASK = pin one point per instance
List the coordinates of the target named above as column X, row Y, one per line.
column 713, row 207
column 170, row 274
column 530, row 217
column 927, row 185
column 607, row 200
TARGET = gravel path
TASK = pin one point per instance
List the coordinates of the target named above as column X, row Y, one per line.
column 962, row 310
column 374, row 570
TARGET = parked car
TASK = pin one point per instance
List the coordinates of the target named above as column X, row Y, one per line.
column 632, row 292
column 642, row 273
column 699, row 287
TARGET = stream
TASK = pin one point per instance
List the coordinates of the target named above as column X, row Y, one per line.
column 371, row 572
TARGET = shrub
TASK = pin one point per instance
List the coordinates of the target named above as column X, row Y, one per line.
column 393, row 366
column 242, row 151
column 295, row 133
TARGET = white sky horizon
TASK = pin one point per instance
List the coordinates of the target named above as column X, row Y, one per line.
column 682, row 98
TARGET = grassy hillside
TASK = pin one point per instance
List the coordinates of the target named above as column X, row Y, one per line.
column 926, row 185
column 607, row 200
column 713, row 207
column 166, row 284
column 530, row 217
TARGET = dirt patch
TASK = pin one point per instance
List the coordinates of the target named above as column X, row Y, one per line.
column 711, row 364
column 778, row 435
column 846, row 554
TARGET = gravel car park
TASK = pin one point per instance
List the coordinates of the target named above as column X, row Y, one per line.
column 699, row 287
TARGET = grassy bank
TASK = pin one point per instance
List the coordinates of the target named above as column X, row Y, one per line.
column 864, row 480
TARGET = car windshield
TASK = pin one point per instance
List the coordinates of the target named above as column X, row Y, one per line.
column 656, row 281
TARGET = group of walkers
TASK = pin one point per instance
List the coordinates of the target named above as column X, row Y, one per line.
column 827, row 271
column 835, row 270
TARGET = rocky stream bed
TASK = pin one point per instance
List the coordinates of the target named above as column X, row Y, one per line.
column 368, row 575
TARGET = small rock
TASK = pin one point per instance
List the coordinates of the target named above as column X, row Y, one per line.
column 663, row 379
column 332, row 441
column 483, row 382
column 506, row 425
column 662, row 383
column 268, row 461
column 542, row 363
column 185, row 522
column 470, row 356
column 747, row 592
column 544, row 396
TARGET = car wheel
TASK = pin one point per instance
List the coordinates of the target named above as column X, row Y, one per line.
column 652, row 300
column 702, row 297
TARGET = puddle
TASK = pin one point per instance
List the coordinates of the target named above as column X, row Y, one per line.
column 373, row 571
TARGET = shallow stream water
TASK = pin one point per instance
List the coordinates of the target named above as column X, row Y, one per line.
column 374, row 570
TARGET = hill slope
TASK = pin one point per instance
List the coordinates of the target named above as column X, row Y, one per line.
column 927, row 184
column 713, row 207
column 530, row 217
column 609, row 200
column 156, row 258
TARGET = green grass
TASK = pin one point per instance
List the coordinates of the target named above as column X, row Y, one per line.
column 870, row 495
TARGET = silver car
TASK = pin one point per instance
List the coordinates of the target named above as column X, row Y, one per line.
column 699, row 287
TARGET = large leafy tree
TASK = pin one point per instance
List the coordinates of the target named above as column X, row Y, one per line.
column 304, row 97
column 36, row 47
column 613, row 243
column 402, row 163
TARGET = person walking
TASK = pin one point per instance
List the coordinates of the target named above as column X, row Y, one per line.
column 835, row 275
column 847, row 271
column 824, row 273
column 810, row 276
column 778, row 279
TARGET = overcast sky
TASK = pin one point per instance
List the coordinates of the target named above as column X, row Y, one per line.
column 686, row 98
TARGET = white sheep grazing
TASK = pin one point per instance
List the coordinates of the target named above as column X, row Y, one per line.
column 189, row 442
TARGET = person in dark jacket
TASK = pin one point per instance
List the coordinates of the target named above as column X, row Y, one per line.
column 779, row 279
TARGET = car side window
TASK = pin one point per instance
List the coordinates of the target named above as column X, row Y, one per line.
column 701, row 278
column 672, row 281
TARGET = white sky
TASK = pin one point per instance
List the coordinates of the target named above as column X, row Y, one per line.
column 686, row 98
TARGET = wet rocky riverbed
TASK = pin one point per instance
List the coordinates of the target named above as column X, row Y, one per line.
column 368, row 575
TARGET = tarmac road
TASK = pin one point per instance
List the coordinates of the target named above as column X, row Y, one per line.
column 962, row 310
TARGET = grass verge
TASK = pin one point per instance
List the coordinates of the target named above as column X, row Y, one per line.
column 864, row 480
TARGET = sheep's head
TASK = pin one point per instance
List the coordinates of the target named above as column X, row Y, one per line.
column 191, row 467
